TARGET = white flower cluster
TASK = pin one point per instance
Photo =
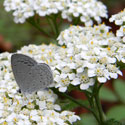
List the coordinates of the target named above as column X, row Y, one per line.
column 38, row 108
column 94, row 52
column 66, row 70
column 121, row 33
column 88, row 53
column 23, row 9
column 85, row 9
column 119, row 18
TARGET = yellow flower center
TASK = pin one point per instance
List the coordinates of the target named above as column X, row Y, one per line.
column 71, row 58
column 15, row 119
column 107, row 33
column 92, row 42
column 108, row 48
column 4, row 123
column 63, row 47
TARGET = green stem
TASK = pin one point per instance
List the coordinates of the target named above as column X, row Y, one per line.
column 38, row 27
column 98, row 104
column 90, row 100
column 75, row 101
column 49, row 20
column 76, row 21
column 55, row 24
column 100, row 87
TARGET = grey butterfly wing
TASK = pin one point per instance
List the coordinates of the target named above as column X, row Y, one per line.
column 39, row 77
column 21, row 65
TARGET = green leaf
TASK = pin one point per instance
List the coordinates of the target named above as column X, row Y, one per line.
column 86, row 119
column 117, row 112
column 119, row 86
column 107, row 95
column 121, row 65
column 69, row 105
column 112, row 122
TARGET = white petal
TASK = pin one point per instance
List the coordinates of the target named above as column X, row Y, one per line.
column 118, row 22
column 72, row 65
column 35, row 118
column 91, row 82
column 123, row 60
column 84, row 86
column 71, row 76
column 113, row 75
column 11, row 117
column 42, row 104
column 33, row 112
column 97, row 50
column 91, row 73
column 62, row 89
column 75, row 14
column 20, row 122
column 90, row 65
column 1, row 112
column 111, row 60
column 57, row 78
column 1, row 106
column 102, row 79
column 75, row 81
column 124, row 39
column 80, row 70
column 57, row 107
column 63, row 75
column 120, row 73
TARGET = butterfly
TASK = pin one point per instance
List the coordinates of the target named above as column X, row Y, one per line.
column 30, row 75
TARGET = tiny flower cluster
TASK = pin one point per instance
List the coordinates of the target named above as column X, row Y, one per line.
column 37, row 108
column 121, row 33
column 85, row 9
column 119, row 18
column 66, row 70
column 87, row 53
column 94, row 52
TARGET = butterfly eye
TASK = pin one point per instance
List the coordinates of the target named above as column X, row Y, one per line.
column 19, row 90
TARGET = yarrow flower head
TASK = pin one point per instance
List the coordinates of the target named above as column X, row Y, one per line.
column 85, row 9
column 38, row 107
column 23, row 9
column 87, row 53
column 94, row 52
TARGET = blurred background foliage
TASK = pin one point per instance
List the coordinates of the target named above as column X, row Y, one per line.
column 19, row 34
column 24, row 34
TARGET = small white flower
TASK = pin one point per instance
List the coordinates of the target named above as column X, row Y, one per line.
column 101, row 73
column 86, row 9
column 119, row 18
column 34, row 116
column 121, row 31
column 113, row 71
column 11, row 117
column 72, row 117
column 62, row 82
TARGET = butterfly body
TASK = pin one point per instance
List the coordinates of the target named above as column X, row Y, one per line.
column 30, row 75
